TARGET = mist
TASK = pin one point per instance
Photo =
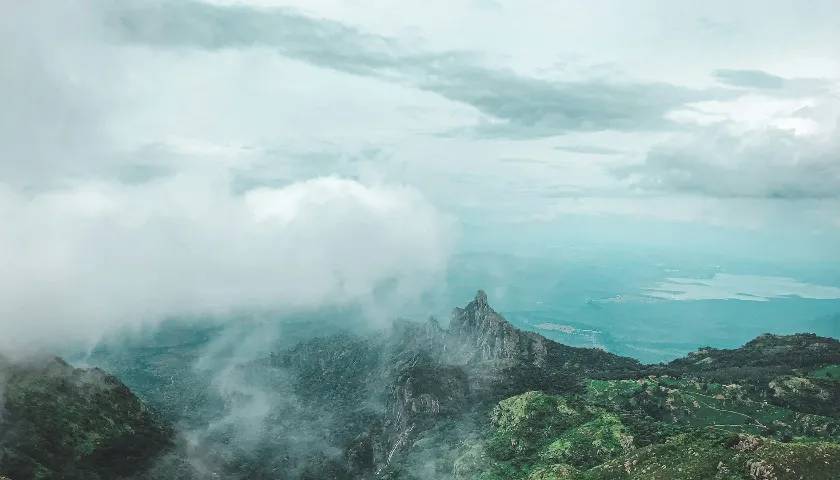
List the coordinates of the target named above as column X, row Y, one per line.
column 289, row 239
column 85, row 260
column 102, row 232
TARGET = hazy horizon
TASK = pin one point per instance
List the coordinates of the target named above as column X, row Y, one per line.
column 197, row 159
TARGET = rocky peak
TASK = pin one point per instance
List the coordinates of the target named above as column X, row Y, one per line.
column 481, row 334
column 476, row 317
column 480, row 298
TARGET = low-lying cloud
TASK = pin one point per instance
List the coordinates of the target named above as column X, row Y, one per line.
column 81, row 261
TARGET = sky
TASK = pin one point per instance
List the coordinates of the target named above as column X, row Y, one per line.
column 168, row 157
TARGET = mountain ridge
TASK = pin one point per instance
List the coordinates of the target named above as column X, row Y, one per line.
column 418, row 401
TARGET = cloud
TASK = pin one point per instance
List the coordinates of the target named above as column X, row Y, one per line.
column 525, row 107
column 82, row 261
column 588, row 149
column 121, row 206
column 773, row 84
column 749, row 78
column 517, row 106
column 50, row 115
column 761, row 163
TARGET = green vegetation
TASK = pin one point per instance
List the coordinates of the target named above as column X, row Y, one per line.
column 61, row 422
column 481, row 401
column 586, row 445
column 710, row 455
column 765, row 411
column 829, row 372
column 535, row 436
column 728, row 408
column 526, row 421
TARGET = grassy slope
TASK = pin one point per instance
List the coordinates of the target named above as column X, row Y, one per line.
column 655, row 428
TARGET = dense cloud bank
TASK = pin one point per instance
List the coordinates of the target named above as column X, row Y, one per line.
column 80, row 261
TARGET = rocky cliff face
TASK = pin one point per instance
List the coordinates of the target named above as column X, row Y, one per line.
column 443, row 377
column 424, row 376
column 502, row 360
column 378, row 395
column 480, row 335
column 483, row 335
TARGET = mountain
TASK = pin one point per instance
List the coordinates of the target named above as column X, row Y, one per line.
column 57, row 421
column 480, row 399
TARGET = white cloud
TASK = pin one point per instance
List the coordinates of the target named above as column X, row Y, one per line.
column 761, row 164
column 121, row 197
column 801, row 116
column 82, row 261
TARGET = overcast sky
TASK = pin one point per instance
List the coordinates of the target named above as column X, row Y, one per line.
column 268, row 141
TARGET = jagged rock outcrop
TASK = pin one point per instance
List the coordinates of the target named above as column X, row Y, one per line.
column 437, row 374
column 502, row 360
column 481, row 335
column 423, row 374
column 484, row 335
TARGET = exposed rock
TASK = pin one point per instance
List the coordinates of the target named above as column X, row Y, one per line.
column 485, row 335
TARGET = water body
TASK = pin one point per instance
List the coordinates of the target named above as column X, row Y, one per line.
column 650, row 310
